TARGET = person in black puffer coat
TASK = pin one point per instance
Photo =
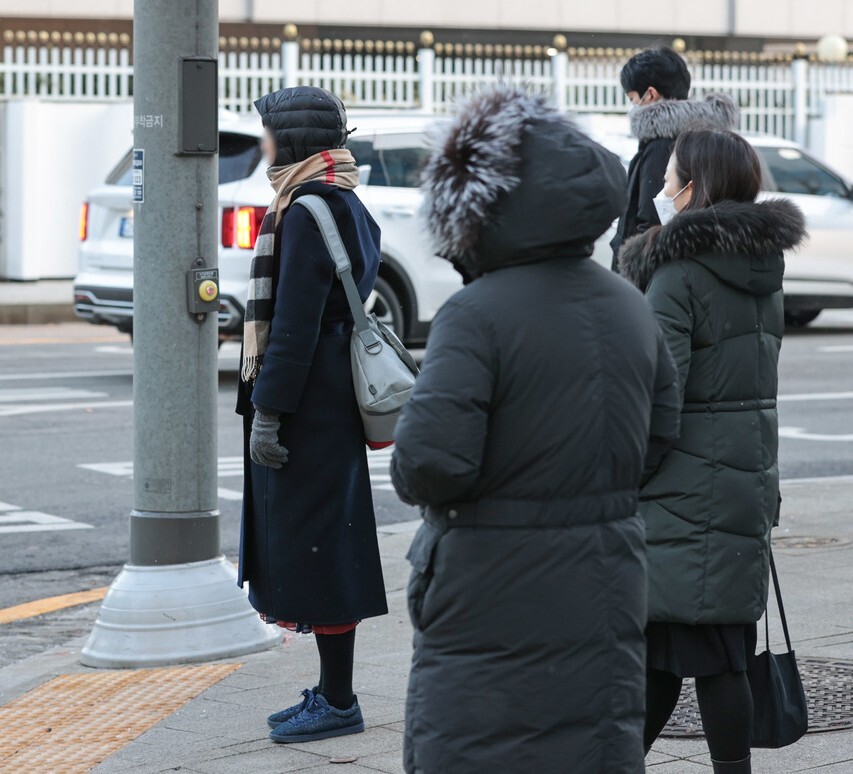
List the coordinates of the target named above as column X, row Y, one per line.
column 525, row 441
column 713, row 276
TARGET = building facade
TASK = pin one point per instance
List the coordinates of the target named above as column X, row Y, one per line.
column 744, row 25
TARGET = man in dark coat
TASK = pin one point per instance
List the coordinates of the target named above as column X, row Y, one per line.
column 525, row 442
column 657, row 83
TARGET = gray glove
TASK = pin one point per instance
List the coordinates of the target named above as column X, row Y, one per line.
column 264, row 448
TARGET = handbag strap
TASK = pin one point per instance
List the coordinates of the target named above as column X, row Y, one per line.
column 319, row 209
column 781, row 607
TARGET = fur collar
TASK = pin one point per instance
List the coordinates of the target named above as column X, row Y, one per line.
column 475, row 161
column 670, row 117
column 740, row 229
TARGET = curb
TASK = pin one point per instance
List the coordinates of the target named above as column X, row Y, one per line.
column 36, row 314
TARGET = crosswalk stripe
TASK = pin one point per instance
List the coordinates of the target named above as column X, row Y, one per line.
column 18, row 410
column 21, row 395
column 35, row 521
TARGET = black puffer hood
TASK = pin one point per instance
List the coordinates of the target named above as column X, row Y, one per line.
column 512, row 181
column 742, row 243
column 305, row 120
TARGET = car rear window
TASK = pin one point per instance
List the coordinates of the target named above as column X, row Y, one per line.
column 239, row 155
column 399, row 167
column 793, row 172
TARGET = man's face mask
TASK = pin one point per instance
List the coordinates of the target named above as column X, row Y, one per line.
column 641, row 101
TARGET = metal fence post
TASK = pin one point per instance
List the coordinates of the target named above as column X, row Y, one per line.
column 800, row 78
column 426, row 72
column 560, row 72
column 290, row 56
column 176, row 600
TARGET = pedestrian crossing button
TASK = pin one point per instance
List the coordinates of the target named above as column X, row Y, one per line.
column 207, row 290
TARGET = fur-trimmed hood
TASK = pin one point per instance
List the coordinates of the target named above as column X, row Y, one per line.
column 512, row 181
column 740, row 242
column 670, row 117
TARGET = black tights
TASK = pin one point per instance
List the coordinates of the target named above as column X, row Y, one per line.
column 725, row 703
column 336, row 660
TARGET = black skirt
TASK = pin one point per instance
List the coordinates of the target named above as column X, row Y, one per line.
column 700, row 651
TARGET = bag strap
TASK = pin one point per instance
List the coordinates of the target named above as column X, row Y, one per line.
column 781, row 607
column 321, row 213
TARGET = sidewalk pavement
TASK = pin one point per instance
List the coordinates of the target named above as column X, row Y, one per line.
column 36, row 303
column 223, row 728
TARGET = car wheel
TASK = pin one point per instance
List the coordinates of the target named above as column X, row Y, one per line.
column 799, row 318
column 387, row 307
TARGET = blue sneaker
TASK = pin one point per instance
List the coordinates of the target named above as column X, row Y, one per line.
column 282, row 716
column 319, row 720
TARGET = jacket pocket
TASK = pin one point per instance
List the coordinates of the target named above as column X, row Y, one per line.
column 420, row 556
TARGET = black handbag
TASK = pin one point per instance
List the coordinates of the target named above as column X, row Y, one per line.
column 781, row 713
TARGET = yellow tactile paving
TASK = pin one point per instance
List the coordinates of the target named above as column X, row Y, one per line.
column 51, row 604
column 73, row 722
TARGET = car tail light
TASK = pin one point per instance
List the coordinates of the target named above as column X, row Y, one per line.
column 240, row 226
column 228, row 227
column 84, row 221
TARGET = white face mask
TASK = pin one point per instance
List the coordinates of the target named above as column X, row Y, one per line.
column 639, row 103
column 665, row 206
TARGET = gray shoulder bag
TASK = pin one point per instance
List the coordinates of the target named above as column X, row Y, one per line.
column 383, row 371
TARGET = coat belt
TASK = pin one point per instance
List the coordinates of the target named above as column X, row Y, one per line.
column 533, row 514
column 729, row 406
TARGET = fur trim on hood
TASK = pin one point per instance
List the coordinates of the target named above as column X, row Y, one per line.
column 670, row 117
column 476, row 160
column 512, row 181
column 736, row 230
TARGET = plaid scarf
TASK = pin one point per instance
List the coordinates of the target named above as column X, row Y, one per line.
column 333, row 167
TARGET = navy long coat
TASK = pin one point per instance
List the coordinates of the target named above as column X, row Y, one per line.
column 308, row 545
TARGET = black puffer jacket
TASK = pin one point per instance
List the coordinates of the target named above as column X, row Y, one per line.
column 714, row 280
column 305, row 120
column 525, row 440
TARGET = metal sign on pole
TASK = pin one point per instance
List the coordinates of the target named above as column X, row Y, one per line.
column 176, row 600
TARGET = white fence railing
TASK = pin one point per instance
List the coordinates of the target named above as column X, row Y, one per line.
column 775, row 97
column 66, row 72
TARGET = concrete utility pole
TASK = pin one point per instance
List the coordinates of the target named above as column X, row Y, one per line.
column 177, row 599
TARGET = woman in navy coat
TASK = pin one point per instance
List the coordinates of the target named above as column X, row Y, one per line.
column 309, row 548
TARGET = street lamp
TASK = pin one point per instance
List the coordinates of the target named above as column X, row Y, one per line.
column 832, row 48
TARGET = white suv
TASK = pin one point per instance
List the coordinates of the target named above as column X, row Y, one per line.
column 389, row 148
column 413, row 283
column 820, row 274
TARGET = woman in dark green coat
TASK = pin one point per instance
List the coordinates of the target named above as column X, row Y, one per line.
column 713, row 276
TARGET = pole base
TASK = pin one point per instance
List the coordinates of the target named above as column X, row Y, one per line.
column 174, row 614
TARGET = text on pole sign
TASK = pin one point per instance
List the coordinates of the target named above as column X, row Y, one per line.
column 138, row 175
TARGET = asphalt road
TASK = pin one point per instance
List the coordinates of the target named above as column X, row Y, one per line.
column 66, row 446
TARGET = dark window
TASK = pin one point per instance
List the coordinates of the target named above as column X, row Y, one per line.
column 393, row 166
column 793, row 172
column 365, row 155
column 403, row 166
column 239, row 155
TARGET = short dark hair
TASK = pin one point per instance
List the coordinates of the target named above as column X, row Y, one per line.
column 722, row 165
column 658, row 67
